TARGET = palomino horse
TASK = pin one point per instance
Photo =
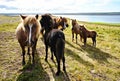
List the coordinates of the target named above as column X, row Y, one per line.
column 86, row 33
column 55, row 39
column 58, row 23
column 75, row 29
column 27, row 33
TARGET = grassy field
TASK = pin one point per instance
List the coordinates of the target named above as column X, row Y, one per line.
column 100, row 63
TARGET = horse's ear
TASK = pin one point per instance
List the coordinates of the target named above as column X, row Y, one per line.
column 23, row 17
column 37, row 16
column 60, row 17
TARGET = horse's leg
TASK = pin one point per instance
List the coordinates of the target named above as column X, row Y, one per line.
column 72, row 36
column 76, row 38
column 58, row 66
column 23, row 54
column 63, row 59
column 85, row 39
column 33, row 51
column 46, row 48
column 52, row 54
column 80, row 38
column 33, row 54
column 28, row 51
column 94, row 41
column 35, row 45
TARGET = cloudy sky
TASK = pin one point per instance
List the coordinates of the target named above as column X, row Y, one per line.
column 58, row 6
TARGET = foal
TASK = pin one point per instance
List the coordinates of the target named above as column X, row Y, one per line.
column 27, row 33
column 55, row 39
column 87, row 34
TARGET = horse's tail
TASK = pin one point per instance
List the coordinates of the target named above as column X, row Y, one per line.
column 60, row 46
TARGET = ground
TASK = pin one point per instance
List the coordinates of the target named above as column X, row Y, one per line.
column 100, row 63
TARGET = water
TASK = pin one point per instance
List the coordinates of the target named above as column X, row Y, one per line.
column 96, row 18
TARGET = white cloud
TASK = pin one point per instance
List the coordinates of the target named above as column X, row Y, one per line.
column 38, row 6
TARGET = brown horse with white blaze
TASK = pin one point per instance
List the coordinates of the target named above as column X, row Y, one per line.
column 27, row 33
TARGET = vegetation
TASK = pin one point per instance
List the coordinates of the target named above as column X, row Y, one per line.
column 100, row 63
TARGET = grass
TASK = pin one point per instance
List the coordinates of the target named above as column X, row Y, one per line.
column 100, row 63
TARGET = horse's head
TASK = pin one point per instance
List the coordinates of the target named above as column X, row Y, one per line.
column 31, row 27
column 74, row 22
column 82, row 28
column 47, row 22
column 64, row 22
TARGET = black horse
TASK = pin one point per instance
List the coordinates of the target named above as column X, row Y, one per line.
column 55, row 39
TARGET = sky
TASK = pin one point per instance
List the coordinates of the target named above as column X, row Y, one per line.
column 59, row 6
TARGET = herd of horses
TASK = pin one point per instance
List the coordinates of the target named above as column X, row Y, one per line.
column 51, row 29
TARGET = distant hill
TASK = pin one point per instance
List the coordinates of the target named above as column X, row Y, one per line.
column 91, row 13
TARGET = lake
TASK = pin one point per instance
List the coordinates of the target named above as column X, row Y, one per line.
column 96, row 18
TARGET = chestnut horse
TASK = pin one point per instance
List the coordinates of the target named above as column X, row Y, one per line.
column 87, row 34
column 27, row 33
column 75, row 30
column 60, row 23
column 55, row 39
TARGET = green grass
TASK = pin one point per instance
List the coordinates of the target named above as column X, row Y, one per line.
column 100, row 63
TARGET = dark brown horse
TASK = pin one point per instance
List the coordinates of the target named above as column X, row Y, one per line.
column 27, row 33
column 87, row 34
column 75, row 30
column 55, row 39
column 58, row 23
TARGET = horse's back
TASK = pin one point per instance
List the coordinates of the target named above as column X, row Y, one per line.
column 55, row 34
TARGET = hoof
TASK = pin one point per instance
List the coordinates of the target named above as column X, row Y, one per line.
column 46, row 60
column 23, row 63
column 64, row 69
column 28, row 53
column 57, row 73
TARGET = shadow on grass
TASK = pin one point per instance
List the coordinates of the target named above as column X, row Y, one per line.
column 97, row 54
column 69, row 52
column 78, row 58
column 73, row 45
column 63, row 75
column 33, row 72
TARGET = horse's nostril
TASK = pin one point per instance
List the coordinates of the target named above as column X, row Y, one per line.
column 67, row 25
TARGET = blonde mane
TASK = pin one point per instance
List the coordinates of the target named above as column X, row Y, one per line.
column 29, row 20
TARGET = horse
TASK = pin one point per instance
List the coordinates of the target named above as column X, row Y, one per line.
column 27, row 33
column 58, row 23
column 55, row 39
column 88, row 34
column 75, row 30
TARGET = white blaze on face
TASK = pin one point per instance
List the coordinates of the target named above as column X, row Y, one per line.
column 30, row 33
column 64, row 25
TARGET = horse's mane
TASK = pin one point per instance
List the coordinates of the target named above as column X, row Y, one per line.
column 82, row 27
column 74, row 22
column 29, row 20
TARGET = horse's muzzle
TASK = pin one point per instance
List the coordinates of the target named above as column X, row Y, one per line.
column 29, row 44
column 67, row 25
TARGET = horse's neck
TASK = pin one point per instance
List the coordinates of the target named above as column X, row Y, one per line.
column 57, row 24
